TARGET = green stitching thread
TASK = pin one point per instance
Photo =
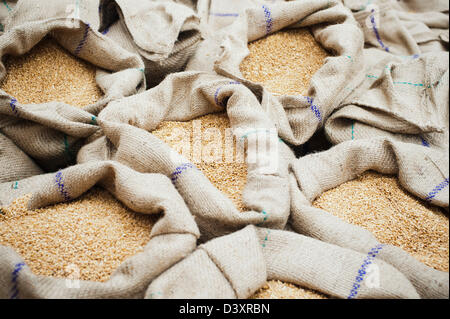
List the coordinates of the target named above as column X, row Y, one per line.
column 266, row 216
column 7, row 6
column 67, row 148
column 266, row 238
column 353, row 130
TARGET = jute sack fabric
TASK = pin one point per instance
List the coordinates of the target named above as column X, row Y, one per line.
column 19, row 165
column 51, row 133
column 5, row 8
column 164, row 33
column 228, row 27
column 126, row 124
column 202, row 198
column 420, row 171
column 397, row 28
column 234, row 266
column 401, row 98
column 173, row 236
column 122, row 135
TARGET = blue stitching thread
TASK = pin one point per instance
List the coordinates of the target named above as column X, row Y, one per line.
column 224, row 14
column 269, row 21
column 83, row 40
column 216, row 94
column 375, row 30
column 314, row 108
column 60, row 183
column 15, row 185
column 180, row 169
column 105, row 31
column 94, row 120
column 12, row 104
column 424, row 142
column 362, row 270
column 15, row 275
column 437, row 189
column 414, row 56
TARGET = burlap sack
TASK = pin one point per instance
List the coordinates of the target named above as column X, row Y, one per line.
column 164, row 32
column 228, row 27
column 51, row 133
column 126, row 124
column 235, row 266
column 203, row 99
column 172, row 237
column 403, row 28
column 405, row 99
column 420, row 171
column 120, row 151
column 19, row 165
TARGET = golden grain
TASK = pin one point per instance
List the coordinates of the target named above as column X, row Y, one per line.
column 50, row 73
column 284, row 62
column 94, row 233
column 379, row 204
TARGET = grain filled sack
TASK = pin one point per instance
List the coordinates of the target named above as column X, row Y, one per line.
column 417, row 172
column 122, row 152
column 204, row 200
column 127, row 124
column 403, row 28
column 49, row 132
column 395, row 122
column 228, row 26
column 172, row 237
column 237, row 264
column 404, row 95
column 207, row 93
column 164, row 33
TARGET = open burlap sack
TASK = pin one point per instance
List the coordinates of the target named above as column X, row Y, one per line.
column 228, row 26
column 234, row 266
column 143, row 152
column 126, row 124
column 121, row 152
column 51, row 133
column 403, row 28
column 401, row 98
column 420, row 170
column 172, row 237
column 164, row 33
